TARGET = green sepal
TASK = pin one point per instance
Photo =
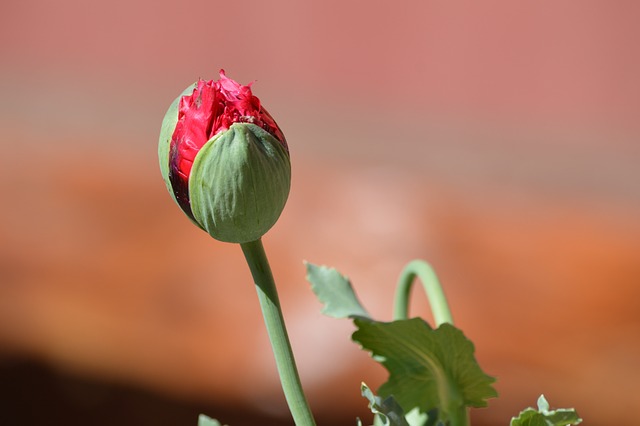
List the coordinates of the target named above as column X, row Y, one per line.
column 239, row 183
column 166, row 132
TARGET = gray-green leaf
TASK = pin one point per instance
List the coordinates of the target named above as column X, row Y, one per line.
column 207, row 421
column 545, row 417
column 388, row 410
column 335, row 292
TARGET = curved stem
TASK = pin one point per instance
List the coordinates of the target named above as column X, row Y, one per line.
column 431, row 285
column 272, row 313
column 458, row 414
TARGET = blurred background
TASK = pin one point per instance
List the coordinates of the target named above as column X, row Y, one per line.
column 499, row 140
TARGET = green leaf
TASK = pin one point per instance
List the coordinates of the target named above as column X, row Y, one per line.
column 207, row 421
column 529, row 417
column 545, row 417
column 428, row 369
column 387, row 410
column 335, row 292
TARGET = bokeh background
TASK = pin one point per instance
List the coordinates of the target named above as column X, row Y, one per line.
column 497, row 139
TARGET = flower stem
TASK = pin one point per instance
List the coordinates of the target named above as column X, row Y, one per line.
column 270, row 304
column 431, row 285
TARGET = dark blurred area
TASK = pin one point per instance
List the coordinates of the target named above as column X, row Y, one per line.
column 35, row 394
column 498, row 140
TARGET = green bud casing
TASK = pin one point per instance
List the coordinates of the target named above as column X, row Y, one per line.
column 239, row 183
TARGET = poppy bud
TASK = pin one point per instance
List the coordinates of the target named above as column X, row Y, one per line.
column 224, row 160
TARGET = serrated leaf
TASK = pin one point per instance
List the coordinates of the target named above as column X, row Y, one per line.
column 335, row 292
column 428, row 369
column 529, row 417
column 207, row 421
column 546, row 417
column 388, row 410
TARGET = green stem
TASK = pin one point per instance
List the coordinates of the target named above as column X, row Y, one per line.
column 459, row 416
column 458, row 413
column 270, row 304
column 431, row 285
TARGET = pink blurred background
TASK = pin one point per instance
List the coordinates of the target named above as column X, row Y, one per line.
column 498, row 140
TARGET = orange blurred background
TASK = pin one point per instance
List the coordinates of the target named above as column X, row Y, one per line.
column 499, row 140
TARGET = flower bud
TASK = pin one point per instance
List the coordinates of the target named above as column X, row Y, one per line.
column 224, row 160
